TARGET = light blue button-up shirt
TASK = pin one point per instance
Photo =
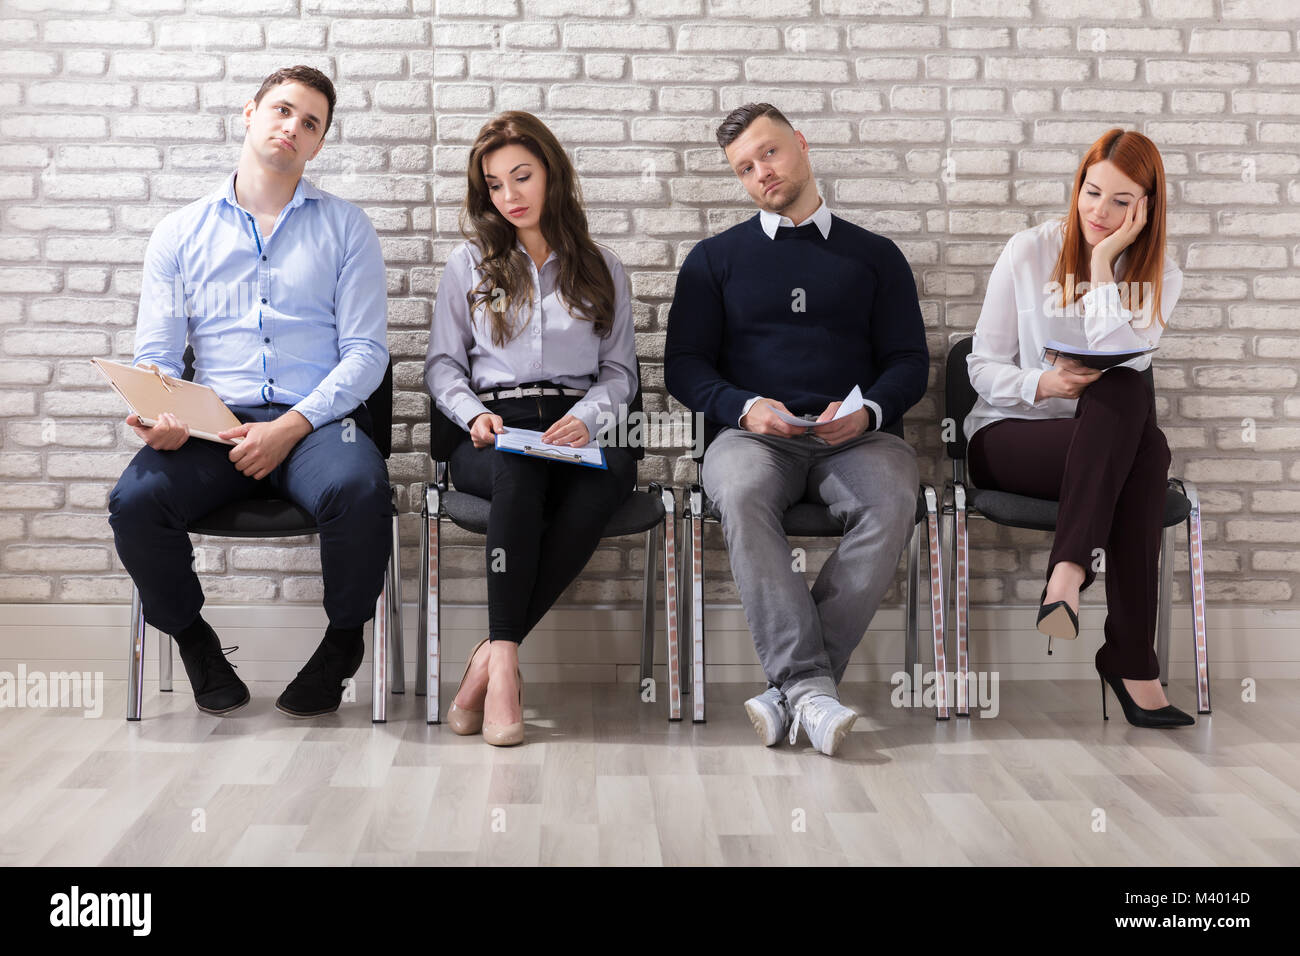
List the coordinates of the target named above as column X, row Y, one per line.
column 297, row 318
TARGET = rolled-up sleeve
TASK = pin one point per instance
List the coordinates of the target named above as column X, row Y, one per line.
column 446, row 363
column 994, row 361
column 616, row 379
column 161, row 322
column 361, row 321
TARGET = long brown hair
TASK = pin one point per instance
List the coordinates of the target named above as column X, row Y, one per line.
column 1137, row 158
column 585, row 285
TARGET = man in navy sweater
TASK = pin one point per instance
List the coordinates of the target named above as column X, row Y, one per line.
column 790, row 310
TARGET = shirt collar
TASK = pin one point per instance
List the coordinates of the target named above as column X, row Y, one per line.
column 771, row 221
column 302, row 192
column 519, row 244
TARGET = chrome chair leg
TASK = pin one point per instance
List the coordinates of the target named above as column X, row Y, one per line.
column 912, row 635
column 135, row 659
column 697, row 601
column 432, row 652
column 1196, row 571
column 164, row 662
column 395, row 603
column 422, row 604
column 651, row 570
column 671, row 603
column 937, row 605
column 961, row 595
column 1166, row 598
column 681, row 531
column 379, row 659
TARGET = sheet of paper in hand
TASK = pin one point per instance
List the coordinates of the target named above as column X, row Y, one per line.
column 1092, row 358
column 522, row 441
column 852, row 402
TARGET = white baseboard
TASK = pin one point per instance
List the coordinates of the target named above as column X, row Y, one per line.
column 602, row 644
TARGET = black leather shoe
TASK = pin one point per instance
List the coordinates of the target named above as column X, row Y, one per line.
column 318, row 688
column 1056, row 620
column 217, row 688
column 1167, row 716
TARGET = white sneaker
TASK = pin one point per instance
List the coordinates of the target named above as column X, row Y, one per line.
column 826, row 720
column 769, row 712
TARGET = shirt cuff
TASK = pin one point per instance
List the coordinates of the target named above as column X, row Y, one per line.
column 588, row 415
column 876, row 415
column 745, row 410
column 1029, row 386
column 314, row 414
column 467, row 409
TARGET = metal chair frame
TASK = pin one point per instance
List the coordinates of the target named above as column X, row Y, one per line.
column 442, row 434
column 955, row 504
column 387, row 632
column 697, row 509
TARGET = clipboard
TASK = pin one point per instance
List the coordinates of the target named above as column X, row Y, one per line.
column 150, row 393
column 1093, row 358
column 523, row 441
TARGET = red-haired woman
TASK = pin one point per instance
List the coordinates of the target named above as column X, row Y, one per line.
column 528, row 302
column 1048, row 427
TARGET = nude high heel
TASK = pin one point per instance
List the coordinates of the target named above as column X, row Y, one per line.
column 462, row 721
column 507, row 735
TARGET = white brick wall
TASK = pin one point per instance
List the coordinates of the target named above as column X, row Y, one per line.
column 945, row 124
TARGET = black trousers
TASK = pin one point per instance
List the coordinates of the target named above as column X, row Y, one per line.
column 1109, row 468
column 546, row 517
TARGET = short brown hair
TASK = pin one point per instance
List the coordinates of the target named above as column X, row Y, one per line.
column 738, row 121
column 307, row 76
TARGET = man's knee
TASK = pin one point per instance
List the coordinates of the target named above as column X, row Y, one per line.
column 137, row 498
column 736, row 483
column 356, row 492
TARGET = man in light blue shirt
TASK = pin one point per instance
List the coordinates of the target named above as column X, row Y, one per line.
column 279, row 289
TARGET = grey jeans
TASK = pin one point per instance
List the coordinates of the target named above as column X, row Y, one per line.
column 804, row 639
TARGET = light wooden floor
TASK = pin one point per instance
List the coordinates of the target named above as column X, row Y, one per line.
column 605, row 779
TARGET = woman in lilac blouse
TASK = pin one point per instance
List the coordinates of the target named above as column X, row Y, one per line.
column 532, row 329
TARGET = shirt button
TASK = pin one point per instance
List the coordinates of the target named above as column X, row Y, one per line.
column 266, row 340
column 271, row 380
column 263, row 258
column 537, row 365
column 263, row 302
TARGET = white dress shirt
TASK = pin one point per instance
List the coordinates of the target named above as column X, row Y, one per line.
column 551, row 345
column 1022, row 311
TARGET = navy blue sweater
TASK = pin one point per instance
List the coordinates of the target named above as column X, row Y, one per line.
column 798, row 318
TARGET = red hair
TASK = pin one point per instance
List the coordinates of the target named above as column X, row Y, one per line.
column 1137, row 158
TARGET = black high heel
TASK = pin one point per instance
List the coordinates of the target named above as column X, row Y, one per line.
column 1054, row 623
column 1167, row 716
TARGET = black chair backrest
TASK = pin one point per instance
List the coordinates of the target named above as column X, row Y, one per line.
column 445, row 434
column 710, row 433
column 960, row 395
column 379, row 404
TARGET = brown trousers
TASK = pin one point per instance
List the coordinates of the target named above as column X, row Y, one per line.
column 1109, row 467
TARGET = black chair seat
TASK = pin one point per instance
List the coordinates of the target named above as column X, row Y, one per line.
column 809, row 520
column 637, row 515
column 1037, row 514
column 256, row 518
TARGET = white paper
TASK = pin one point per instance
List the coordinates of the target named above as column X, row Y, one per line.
column 852, row 402
column 525, row 440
